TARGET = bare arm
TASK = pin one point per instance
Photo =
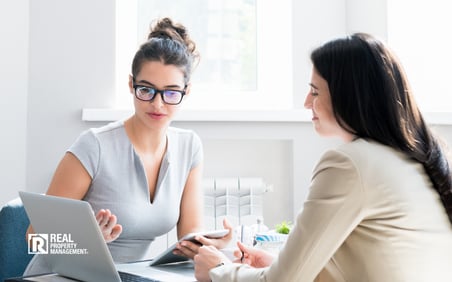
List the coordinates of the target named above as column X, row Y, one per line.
column 191, row 211
column 191, row 217
column 192, row 204
column 71, row 180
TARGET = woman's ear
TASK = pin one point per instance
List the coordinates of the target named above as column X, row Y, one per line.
column 187, row 89
column 131, row 84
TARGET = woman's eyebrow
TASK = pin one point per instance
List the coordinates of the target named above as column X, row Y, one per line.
column 142, row 81
column 313, row 86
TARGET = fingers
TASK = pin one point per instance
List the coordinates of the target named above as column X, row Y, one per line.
column 103, row 216
column 227, row 225
column 243, row 254
column 238, row 253
column 116, row 231
column 219, row 243
column 242, row 251
column 243, row 248
column 106, row 219
column 112, row 220
column 187, row 249
column 205, row 241
column 108, row 225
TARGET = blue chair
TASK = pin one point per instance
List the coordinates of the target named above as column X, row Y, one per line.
column 14, row 256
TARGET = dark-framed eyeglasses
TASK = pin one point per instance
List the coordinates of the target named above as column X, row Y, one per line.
column 170, row 97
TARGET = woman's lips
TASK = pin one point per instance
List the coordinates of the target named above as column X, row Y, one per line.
column 156, row 115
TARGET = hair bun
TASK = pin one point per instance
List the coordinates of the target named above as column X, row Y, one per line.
column 167, row 42
column 165, row 28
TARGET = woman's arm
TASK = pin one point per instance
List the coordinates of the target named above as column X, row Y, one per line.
column 192, row 204
column 331, row 212
column 192, row 215
column 71, row 180
column 191, row 218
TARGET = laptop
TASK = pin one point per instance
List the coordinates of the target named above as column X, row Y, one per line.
column 69, row 238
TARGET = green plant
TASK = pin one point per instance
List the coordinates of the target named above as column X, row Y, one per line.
column 283, row 227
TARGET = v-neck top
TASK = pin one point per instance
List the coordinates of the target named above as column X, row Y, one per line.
column 119, row 183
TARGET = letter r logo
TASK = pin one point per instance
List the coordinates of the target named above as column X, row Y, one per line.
column 38, row 243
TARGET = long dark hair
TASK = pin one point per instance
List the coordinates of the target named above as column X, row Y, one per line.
column 169, row 43
column 372, row 99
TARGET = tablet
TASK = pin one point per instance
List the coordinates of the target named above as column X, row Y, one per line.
column 168, row 256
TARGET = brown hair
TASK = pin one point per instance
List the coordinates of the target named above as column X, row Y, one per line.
column 169, row 43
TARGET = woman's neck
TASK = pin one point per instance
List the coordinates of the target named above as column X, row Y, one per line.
column 143, row 138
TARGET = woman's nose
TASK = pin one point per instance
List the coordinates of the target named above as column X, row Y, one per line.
column 308, row 101
column 158, row 100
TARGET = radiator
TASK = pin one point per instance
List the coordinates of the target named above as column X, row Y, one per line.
column 239, row 199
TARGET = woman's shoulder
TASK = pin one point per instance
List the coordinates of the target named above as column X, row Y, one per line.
column 365, row 148
column 181, row 131
column 97, row 135
column 362, row 151
column 183, row 134
column 110, row 127
column 370, row 154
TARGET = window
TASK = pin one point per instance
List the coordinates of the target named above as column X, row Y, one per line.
column 245, row 48
column 418, row 31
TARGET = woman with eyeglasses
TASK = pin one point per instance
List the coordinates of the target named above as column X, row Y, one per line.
column 141, row 176
column 379, row 206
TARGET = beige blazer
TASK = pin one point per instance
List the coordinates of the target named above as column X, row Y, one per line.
column 371, row 215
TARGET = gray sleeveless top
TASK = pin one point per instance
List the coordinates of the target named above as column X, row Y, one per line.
column 119, row 183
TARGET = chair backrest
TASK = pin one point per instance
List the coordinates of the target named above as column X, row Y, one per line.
column 14, row 256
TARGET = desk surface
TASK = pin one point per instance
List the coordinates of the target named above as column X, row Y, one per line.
column 52, row 277
column 170, row 272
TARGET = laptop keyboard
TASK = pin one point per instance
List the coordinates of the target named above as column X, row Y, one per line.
column 129, row 277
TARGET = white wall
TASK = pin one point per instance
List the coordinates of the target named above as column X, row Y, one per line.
column 71, row 66
column 13, row 96
column 57, row 57
column 282, row 153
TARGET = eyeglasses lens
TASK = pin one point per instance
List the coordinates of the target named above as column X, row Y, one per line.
column 171, row 97
column 145, row 93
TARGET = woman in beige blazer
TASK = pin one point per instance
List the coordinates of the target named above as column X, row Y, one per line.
column 380, row 205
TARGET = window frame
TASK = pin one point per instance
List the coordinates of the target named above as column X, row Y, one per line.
column 274, row 70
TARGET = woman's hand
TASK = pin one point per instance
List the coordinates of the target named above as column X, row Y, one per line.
column 190, row 249
column 187, row 249
column 219, row 243
column 108, row 225
column 207, row 258
column 254, row 257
